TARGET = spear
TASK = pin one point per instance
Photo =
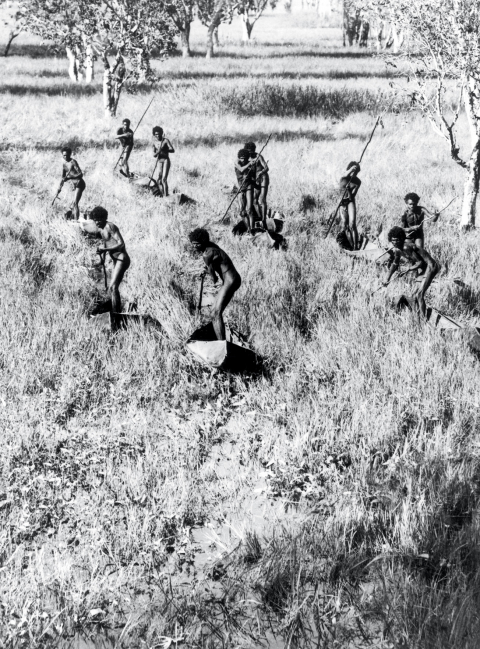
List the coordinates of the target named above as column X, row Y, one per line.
column 141, row 118
column 334, row 214
column 437, row 214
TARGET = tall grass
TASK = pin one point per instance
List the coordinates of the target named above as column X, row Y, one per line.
column 359, row 444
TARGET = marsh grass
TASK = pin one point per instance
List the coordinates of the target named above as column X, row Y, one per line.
column 365, row 428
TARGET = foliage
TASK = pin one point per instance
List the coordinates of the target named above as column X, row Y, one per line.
column 445, row 46
column 132, row 27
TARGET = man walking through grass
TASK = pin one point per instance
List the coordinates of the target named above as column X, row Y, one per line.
column 71, row 171
column 114, row 245
column 219, row 265
column 420, row 261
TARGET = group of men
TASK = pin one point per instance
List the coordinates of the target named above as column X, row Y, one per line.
column 407, row 242
column 252, row 173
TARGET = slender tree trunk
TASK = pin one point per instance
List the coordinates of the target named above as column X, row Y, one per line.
column 74, row 71
column 471, row 187
column 107, row 88
column 89, row 64
column 185, row 40
column 247, row 27
column 11, row 36
column 216, row 40
column 216, row 20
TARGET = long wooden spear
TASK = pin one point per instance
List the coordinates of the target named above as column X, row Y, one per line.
column 141, row 118
column 334, row 214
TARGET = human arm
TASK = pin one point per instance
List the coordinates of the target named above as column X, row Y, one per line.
column 264, row 165
column 208, row 260
column 393, row 267
column 354, row 186
column 169, row 144
column 75, row 172
column 431, row 216
column 115, row 237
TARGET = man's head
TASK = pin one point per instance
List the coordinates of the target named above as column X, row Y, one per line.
column 126, row 123
column 199, row 239
column 397, row 236
column 243, row 156
column 99, row 215
column 354, row 167
column 250, row 146
column 67, row 152
column 157, row 132
column 412, row 200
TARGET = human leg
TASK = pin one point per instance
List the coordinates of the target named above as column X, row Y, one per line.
column 345, row 227
column 76, row 200
column 222, row 300
column 121, row 266
column 429, row 276
column 262, row 199
column 126, row 156
column 249, row 207
column 352, row 222
column 165, row 171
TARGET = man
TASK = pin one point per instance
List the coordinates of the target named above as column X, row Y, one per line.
column 115, row 246
column 245, row 172
column 262, row 183
column 420, row 260
column 349, row 186
column 413, row 218
column 218, row 264
column 162, row 147
column 125, row 135
column 71, row 171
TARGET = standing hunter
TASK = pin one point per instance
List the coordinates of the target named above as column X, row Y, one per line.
column 125, row 135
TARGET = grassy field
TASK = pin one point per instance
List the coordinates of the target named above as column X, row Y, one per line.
column 331, row 501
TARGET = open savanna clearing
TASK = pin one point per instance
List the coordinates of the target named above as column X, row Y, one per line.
column 330, row 501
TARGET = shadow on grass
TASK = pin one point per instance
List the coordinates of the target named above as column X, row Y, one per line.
column 209, row 141
column 68, row 88
column 213, row 140
column 334, row 74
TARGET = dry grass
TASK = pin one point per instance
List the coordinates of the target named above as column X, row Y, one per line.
column 365, row 425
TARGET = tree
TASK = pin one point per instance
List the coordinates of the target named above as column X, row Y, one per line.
column 181, row 13
column 211, row 14
column 129, row 29
column 13, row 21
column 250, row 11
column 445, row 55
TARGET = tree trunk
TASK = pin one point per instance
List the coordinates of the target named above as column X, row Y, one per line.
column 247, row 27
column 471, row 187
column 107, row 88
column 216, row 40
column 11, row 36
column 74, row 71
column 216, row 20
column 185, row 40
column 89, row 64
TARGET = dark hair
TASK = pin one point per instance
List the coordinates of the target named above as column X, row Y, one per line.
column 67, row 149
column 99, row 212
column 250, row 146
column 126, row 120
column 243, row 153
column 157, row 129
column 412, row 197
column 397, row 233
column 199, row 235
column 353, row 164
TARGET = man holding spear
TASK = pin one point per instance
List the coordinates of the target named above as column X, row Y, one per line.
column 125, row 135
